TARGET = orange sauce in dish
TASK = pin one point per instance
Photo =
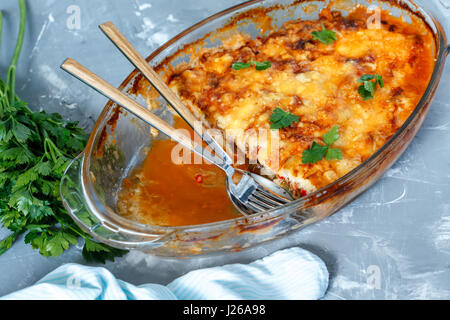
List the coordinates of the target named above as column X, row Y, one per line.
column 163, row 193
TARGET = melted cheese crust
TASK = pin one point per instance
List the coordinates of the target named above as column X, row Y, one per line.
column 316, row 82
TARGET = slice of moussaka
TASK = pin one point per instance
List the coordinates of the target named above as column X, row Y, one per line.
column 331, row 91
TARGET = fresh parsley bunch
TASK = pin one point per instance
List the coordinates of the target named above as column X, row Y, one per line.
column 35, row 150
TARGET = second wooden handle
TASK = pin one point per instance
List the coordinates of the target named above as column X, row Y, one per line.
column 103, row 87
column 141, row 64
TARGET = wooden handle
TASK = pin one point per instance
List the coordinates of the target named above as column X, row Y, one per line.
column 142, row 65
column 125, row 101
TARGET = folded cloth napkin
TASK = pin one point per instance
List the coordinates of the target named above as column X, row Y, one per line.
column 292, row 273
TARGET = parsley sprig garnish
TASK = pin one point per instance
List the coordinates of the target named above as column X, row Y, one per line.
column 282, row 119
column 317, row 151
column 369, row 85
column 260, row 66
column 35, row 150
column 325, row 36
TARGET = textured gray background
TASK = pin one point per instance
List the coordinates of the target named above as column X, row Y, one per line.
column 397, row 232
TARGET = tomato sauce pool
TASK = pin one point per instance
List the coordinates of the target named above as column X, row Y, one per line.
column 163, row 192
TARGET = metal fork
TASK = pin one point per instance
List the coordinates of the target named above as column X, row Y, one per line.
column 252, row 194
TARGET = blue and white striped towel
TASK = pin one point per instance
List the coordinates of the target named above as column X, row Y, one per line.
column 287, row 274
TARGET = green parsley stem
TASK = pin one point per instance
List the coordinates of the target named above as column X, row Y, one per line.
column 11, row 77
column 49, row 150
column 63, row 224
column 1, row 28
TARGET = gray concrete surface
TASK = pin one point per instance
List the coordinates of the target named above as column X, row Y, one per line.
column 393, row 242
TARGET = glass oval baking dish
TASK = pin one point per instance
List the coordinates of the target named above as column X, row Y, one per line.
column 119, row 143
